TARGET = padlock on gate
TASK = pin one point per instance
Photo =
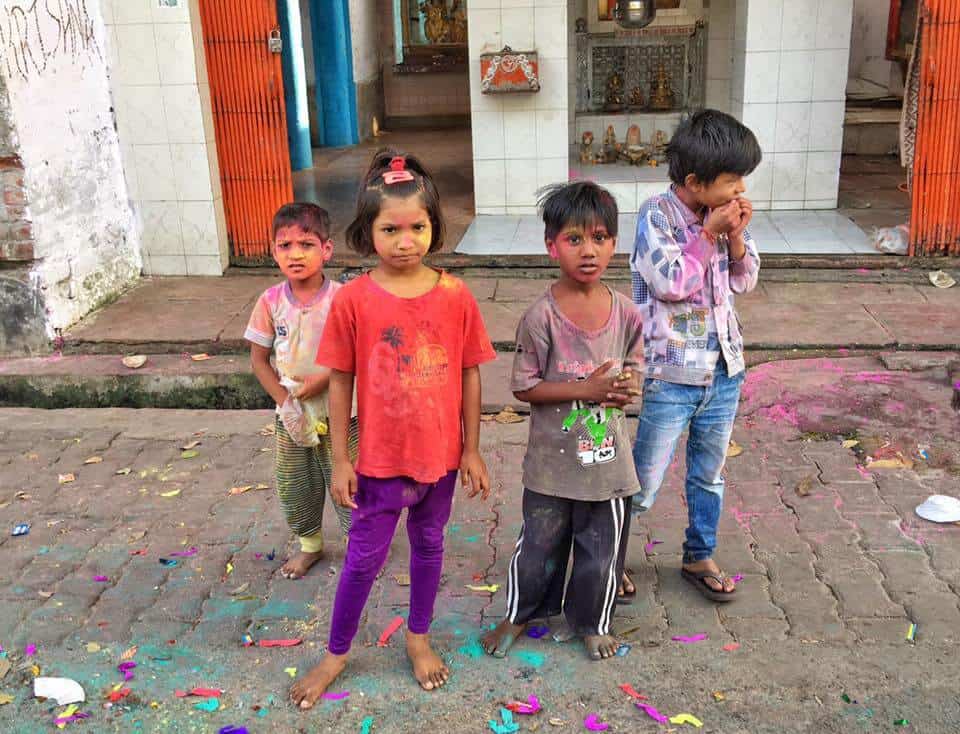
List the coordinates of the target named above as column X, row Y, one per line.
column 275, row 42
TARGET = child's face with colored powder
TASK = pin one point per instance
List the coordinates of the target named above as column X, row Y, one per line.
column 300, row 254
column 722, row 190
column 583, row 253
column 402, row 232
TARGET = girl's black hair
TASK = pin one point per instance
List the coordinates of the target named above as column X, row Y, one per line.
column 373, row 190
column 581, row 203
column 711, row 143
column 307, row 216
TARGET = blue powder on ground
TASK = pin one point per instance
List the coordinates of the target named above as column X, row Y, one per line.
column 535, row 659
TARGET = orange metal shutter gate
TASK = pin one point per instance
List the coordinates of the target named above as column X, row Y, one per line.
column 246, row 90
column 935, row 211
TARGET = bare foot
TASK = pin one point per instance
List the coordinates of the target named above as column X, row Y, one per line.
column 711, row 566
column 428, row 668
column 297, row 566
column 307, row 691
column 627, row 588
column 498, row 640
column 600, row 647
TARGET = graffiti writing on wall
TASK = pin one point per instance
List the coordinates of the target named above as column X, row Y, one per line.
column 34, row 34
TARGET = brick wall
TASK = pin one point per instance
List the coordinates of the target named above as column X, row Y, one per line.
column 16, row 233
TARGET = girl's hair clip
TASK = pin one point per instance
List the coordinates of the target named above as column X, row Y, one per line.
column 398, row 171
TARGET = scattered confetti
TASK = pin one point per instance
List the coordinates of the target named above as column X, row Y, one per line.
column 118, row 695
column 169, row 562
column 507, row 727
column 366, row 725
column 171, row 493
column 189, row 454
column 394, row 625
column 211, row 705
column 527, row 709
column 537, row 631
column 912, row 633
column 901, row 722
column 593, row 723
column 30, row 650
column 126, row 669
column 632, row 692
column 846, row 699
column 731, row 646
column 718, row 696
column 272, row 554
column 240, row 490
column 554, row 721
column 686, row 719
column 101, row 579
column 229, row 568
column 336, row 696
column 204, row 692
column 130, row 653
column 652, row 712
column 21, row 529
column 402, row 579
column 688, row 639
column 292, row 672
column 649, row 546
column 737, row 578
column 492, row 588
column 233, row 730
column 93, row 647
column 66, row 478
column 94, row 460
column 293, row 642
column 246, row 640
column 187, row 553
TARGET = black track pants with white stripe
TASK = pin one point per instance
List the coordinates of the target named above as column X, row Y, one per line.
column 552, row 528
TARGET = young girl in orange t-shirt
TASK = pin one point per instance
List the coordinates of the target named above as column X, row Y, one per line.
column 412, row 339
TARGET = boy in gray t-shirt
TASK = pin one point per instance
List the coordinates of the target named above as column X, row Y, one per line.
column 579, row 358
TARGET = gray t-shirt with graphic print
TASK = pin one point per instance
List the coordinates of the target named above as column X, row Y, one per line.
column 577, row 450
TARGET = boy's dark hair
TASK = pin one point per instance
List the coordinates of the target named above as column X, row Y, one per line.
column 373, row 190
column 580, row 203
column 308, row 217
column 711, row 143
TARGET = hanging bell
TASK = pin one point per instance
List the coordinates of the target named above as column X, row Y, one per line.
column 635, row 13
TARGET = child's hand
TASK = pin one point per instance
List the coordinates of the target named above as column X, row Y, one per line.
column 746, row 214
column 628, row 381
column 602, row 387
column 311, row 386
column 724, row 218
column 343, row 487
column 473, row 474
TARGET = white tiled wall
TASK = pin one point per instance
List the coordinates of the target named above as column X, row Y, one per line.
column 519, row 140
column 720, row 27
column 787, row 85
column 162, row 105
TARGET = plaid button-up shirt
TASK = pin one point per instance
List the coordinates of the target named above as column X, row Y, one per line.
column 685, row 284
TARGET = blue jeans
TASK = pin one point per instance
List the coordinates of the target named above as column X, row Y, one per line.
column 668, row 409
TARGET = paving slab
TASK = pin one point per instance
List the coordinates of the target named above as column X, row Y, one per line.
column 929, row 325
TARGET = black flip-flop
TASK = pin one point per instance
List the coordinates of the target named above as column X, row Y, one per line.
column 698, row 582
column 626, row 597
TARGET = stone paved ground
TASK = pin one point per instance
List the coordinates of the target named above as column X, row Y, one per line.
column 835, row 563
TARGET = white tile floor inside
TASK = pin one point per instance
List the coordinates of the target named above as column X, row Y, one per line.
column 776, row 232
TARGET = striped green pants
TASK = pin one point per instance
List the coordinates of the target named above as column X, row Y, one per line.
column 303, row 477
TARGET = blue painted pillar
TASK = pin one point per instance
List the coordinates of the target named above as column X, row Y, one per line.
column 295, row 85
column 333, row 57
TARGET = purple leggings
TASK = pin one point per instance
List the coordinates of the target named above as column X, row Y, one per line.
column 379, row 502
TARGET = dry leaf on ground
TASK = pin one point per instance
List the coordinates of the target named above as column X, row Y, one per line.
column 805, row 485
column 506, row 416
column 66, row 478
column 191, row 445
column 202, row 357
column 94, row 460
column 734, row 449
column 134, row 361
